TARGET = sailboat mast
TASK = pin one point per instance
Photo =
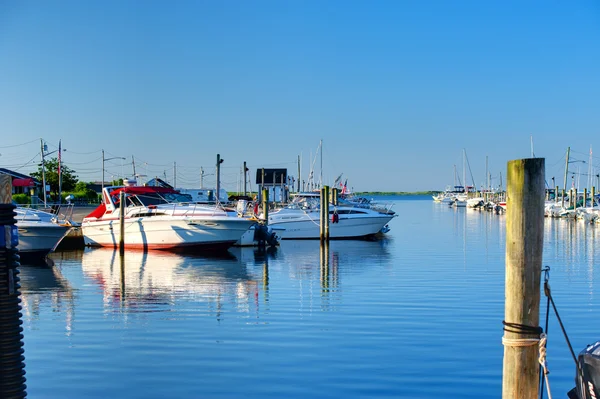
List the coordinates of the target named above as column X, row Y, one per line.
column 454, row 188
column 464, row 169
column 487, row 183
column 321, row 173
column 567, row 167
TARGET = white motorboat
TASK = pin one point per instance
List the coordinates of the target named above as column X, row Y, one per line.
column 160, row 218
column 39, row 232
column 301, row 218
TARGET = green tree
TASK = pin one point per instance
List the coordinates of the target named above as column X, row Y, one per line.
column 69, row 179
column 81, row 187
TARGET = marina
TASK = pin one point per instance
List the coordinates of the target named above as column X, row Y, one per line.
column 367, row 319
column 299, row 200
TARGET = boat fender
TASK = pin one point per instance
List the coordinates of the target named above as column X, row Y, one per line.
column 335, row 218
column 255, row 209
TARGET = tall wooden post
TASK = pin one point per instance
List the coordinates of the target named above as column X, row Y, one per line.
column 326, row 216
column 265, row 205
column 322, row 215
column 556, row 195
column 122, row 222
column 563, row 197
column 585, row 197
column 593, row 195
column 334, row 196
column 524, row 245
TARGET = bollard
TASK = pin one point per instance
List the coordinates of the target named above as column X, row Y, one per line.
column 524, row 246
column 12, row 366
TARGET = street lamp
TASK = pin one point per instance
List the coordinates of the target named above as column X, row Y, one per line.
column 106, row 159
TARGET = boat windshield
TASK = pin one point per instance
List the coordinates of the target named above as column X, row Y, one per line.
column 158, row 199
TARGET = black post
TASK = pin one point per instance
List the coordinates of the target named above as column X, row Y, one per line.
column 12, row 366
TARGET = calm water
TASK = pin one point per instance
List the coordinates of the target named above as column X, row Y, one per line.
column 417, row 315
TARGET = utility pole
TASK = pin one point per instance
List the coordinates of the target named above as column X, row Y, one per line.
column 102, row 184
column 133, row 164
column 201, row 177
column 59, row 172
column 43, row 171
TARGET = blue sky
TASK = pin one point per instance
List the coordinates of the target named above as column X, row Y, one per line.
column 396, row 89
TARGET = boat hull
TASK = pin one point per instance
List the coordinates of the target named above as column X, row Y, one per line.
column 309, row 228
column 166, row 233
column 39, row 239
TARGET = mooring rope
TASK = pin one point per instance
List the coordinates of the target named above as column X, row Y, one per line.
column 517, row 328
column 543, row 363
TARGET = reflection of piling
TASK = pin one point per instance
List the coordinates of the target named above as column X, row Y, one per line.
column 121, row 222
column 265, row 205
column 524, row 244
column 324, row 214
column 122, row 262
column 266, row 275
column 12, row 366
column 324, row 257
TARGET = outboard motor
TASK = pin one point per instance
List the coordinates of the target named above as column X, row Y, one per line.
column 588, row 385
column 263, row 234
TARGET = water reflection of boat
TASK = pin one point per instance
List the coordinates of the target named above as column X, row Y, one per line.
column 42, row 284
column 155, row 278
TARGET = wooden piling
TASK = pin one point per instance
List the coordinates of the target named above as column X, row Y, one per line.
column 326, row 216
column 122, row 222
column 563, row 197
column 265, row 205
column 334, row 196
column 585, row 197
column 556, row 195
column 524, row 245
column 321, row 215
column 593, row 195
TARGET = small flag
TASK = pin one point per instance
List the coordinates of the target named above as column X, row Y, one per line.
column 338, row 179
